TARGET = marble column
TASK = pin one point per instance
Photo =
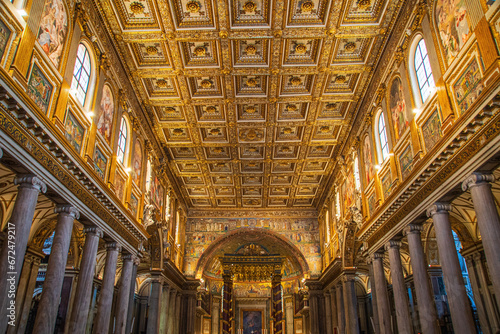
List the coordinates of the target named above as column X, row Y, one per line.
column 399, row 288
column 328, row 313
column 124, row 294
column 376, row 326
column 131, row 301
column 171, row 312
column 488, row 298
column 350, row 304
column 154, row 305
column 15, row 243
column 164, row 307
column 177, row 318
column 289, row 315
column 216, row 315
column 340, row 308
column 474, row 282
column 81, row 301
column 25, row 290
column 487, row 221
column 51, row 293
column 384, row 308
column 334, row 312
column 426, row 305
column 461, row 313
column 101, row 323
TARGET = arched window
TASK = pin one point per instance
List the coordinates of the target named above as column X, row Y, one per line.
column 423, row 70
column 122, row 141
column 382, row 136
column 81, row 74
column 337, row 205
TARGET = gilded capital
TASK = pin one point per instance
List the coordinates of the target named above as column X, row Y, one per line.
column 67, row 209
column 477, row 179
column 438, row 207
column 30, row 181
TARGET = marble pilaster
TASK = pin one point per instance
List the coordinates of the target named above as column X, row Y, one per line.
column 124, row 294
column 333, row 303
column 101, row 323
column 177, row 318
column 81, row 301
column 458, row 301
column 374, row 297
column 16, row 237
column 384, row 308
column 350, row 304
column 154, row 305
column 340, row 309
column 399, row 288
column 164, row 307
column 171, row 311
column 51, row 293
column 328, row 313
column 426, row 305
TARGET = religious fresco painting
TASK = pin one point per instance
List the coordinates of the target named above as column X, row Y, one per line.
column 453, row 26
column 386, row 184
column 106, row 113
column 39, row 88
column 74, row 131
column 53, row 30
column 397, row 105
column 348, row 191
column 119, row 186
column 4, row 37
column 368, row 160
column 137, row 163
column 406, row 162
column 251, row 321
column 134, row 205
column 431, row 130
column 100, row 162
column 252, row 290
column 372, row 202
column 156, row 191
column 202, row 232
column 468, row 87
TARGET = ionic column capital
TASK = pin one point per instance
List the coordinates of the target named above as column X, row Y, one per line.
column 378, row 255
column 476, row 179
column 437, row 208
column 396, row 244
column 127, row 257
column 113, row 246
column 30, row 181
column 413, row 228
column 68, row 210
column 93, row 230
column 137, row 260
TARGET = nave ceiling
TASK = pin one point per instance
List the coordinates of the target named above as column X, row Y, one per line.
column 251, row 99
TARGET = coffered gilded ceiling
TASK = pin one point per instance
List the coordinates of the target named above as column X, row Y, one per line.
column 252, row 99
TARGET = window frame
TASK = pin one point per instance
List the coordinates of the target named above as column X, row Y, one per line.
column 381, row 157
column 415, row 84
column 122, row 157
column 86, row 58
column 429, row 77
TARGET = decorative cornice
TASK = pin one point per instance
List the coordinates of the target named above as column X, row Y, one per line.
column 253, row 213
column 30, row 181
column 67, row 209
column 477, row 179
column 438, row 208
